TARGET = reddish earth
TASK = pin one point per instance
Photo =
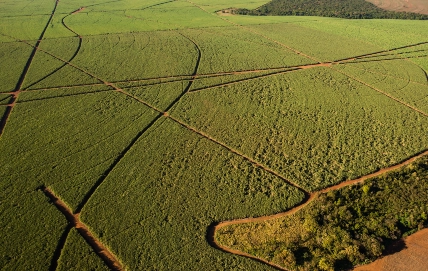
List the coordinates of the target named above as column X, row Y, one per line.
column 74, row 219
column 78, row 10
column 417, row 6
column 413, row 258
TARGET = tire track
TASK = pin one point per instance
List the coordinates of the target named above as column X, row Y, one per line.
column 21, row 79
column 382, row 51
column 383, row 92
column 74, row 54
column 257, row 33
column 312, row 196
column 74, row 220
column 389, row 75
column 64, row 96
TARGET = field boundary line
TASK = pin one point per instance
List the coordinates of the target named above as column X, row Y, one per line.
column 386, row 75
column 76, row 52
column 383, row 92
column 64, row 96
column 244, row 80
column 374, row 54
column 279, row 72
column 259, row 34
column 74, row 220
column 21, row 79
column 312, row 197
column 245, row 157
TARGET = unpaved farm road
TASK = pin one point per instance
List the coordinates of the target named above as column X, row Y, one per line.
column 416, row 6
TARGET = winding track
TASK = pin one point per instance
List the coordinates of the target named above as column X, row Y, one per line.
column 74, row 219
column 18, row 88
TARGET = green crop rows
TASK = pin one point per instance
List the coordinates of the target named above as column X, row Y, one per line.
column 154, row 120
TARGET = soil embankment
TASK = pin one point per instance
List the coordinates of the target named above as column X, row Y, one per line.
column 416, row 6
column 412, row 258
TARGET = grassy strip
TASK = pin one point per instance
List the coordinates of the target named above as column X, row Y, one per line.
column 342, row 228
column 234, row 49
column 401, row 88
column 133, row 56
column 4, row 99
column 160, row 95
column 349, row 9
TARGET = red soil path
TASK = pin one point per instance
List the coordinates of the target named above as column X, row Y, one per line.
column 74, row 219
column 78, row 10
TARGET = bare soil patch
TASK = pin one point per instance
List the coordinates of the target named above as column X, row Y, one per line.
column 416, row 6
column 78, row 10
column 412, row 258
column 225, row 12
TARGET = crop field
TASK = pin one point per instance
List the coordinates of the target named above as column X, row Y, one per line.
column 130, row 129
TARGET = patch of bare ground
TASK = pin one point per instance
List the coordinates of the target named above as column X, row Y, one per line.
column 225, row 12
column 416, row 6
column 413, row 258
column 78, row 10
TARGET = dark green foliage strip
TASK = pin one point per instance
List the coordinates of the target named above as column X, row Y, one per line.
column 350, row 9
column 342, row 228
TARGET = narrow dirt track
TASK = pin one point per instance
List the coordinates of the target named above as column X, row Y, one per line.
column 18, row 87
column 384, row 93
column 103, row 252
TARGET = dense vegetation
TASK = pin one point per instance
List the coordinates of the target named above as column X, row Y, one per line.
column 341, row 228
column 350, row 9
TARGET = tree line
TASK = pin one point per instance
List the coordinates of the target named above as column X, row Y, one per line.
column 349, row 9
